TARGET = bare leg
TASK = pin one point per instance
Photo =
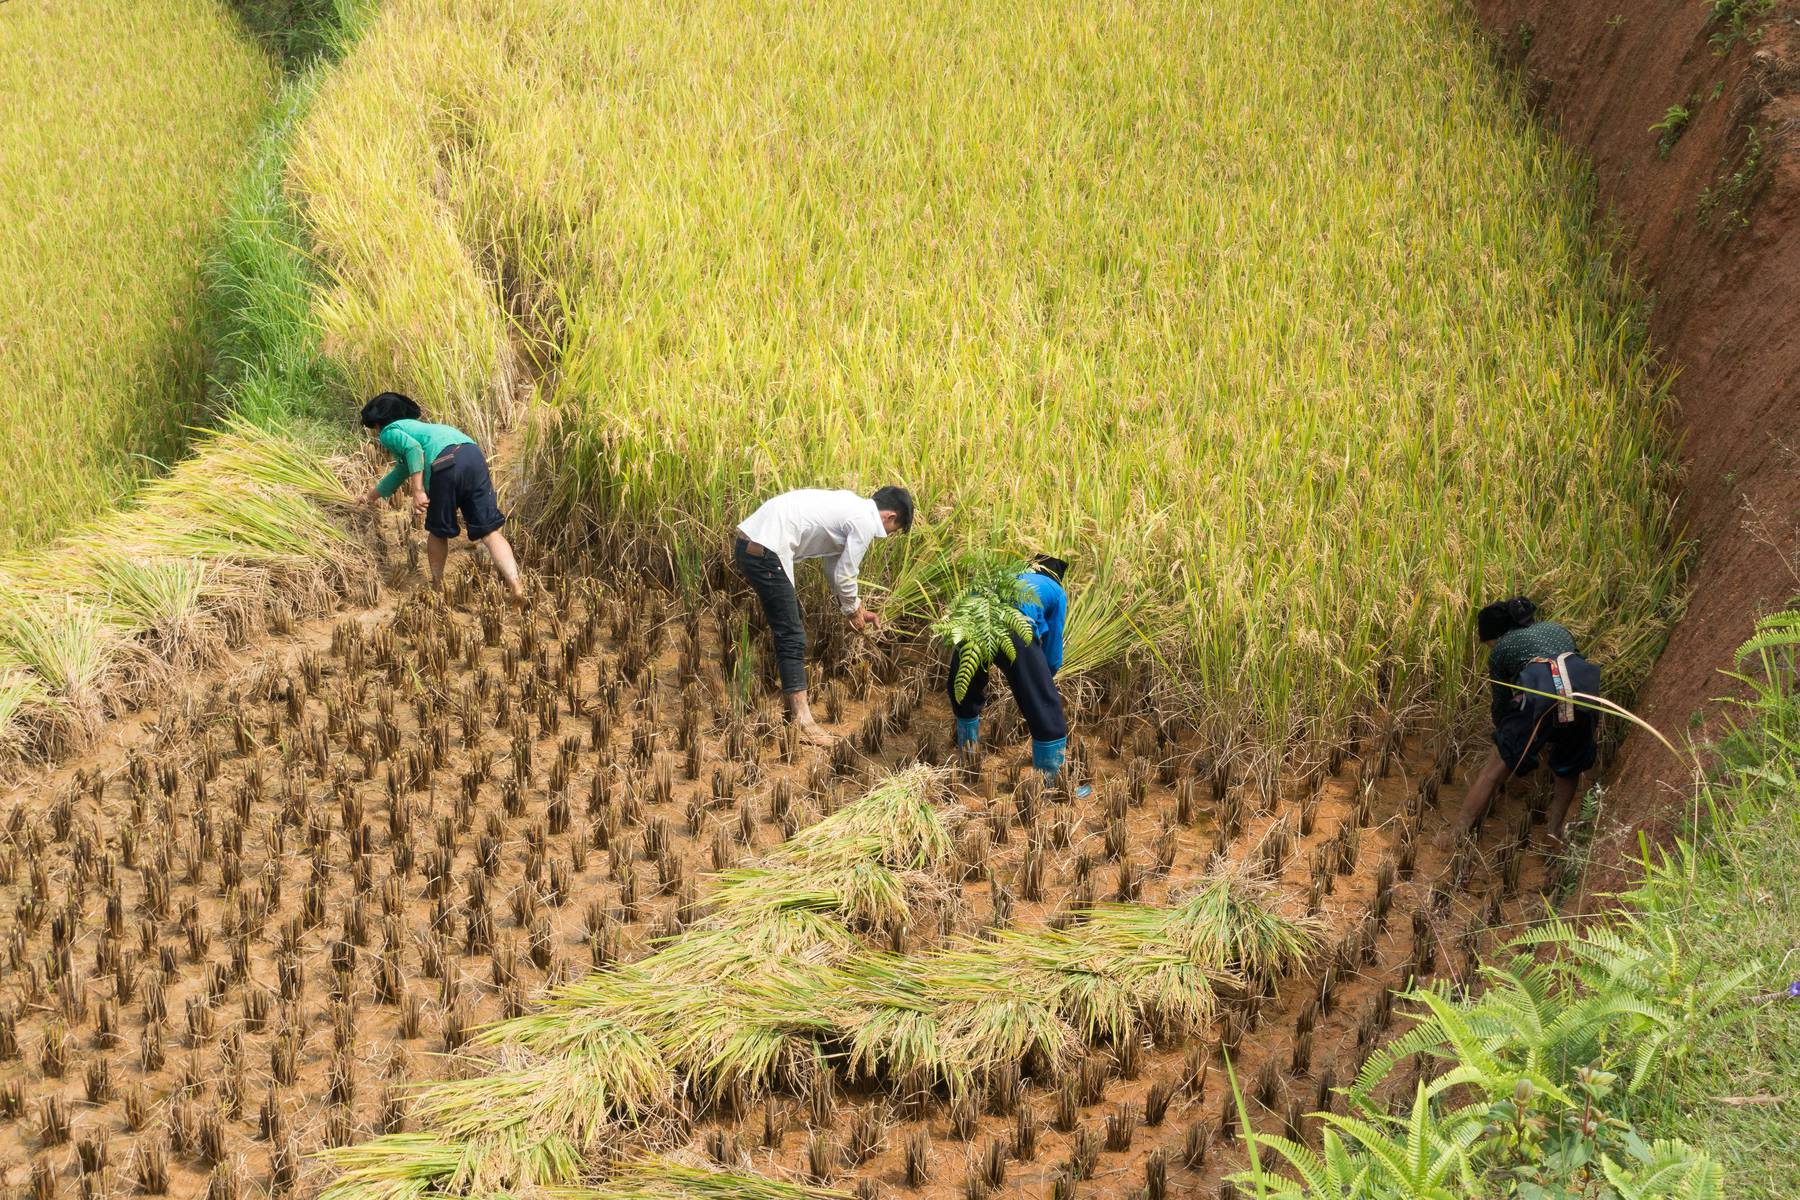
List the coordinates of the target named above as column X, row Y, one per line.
column 1482, row 790
column 800, row 713
column 502, row 553
column 437, row 552
column 1562, row 797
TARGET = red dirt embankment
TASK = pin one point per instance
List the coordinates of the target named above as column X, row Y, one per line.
column 1714, row 227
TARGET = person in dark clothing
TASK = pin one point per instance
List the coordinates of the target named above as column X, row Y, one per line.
column 1530, row 661
column 1031, row 673
column 444, row 473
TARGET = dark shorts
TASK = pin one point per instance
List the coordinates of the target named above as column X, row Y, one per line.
column 1522, row 736
column 462, row 484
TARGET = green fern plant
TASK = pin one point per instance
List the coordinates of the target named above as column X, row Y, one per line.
column 1418, row 1156
column 1666, row 1170
column 980, row 624
column 1778, row 632
column 1531, row 1097
column 1644, row 989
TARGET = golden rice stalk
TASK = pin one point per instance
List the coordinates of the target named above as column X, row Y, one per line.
column 252, row 518
column 1225, row 429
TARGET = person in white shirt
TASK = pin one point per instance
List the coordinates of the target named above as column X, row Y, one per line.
column 836, row 527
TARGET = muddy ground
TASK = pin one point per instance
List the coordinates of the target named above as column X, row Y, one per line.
column 236, row 927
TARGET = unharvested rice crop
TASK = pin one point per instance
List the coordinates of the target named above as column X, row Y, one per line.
column 123, row 128
column 1280, row 317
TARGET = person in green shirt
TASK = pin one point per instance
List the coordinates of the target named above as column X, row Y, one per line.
column 444, row 473
column 1527, row 659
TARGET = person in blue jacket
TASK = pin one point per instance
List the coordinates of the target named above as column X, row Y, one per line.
column 1031, row 673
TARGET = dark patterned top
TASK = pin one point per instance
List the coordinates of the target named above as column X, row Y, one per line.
column 1515, row 648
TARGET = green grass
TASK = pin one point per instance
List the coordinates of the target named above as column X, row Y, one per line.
column 124, row 125
column 269, row 364
column 1729, row 897
column 1283, row 319
column 298, row 31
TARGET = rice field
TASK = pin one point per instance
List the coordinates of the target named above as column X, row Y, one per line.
column 441, row 898
column 245, row 534
column 1282, row 320
column 124, row 127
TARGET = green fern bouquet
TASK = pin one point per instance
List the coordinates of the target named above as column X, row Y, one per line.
column 979, row 625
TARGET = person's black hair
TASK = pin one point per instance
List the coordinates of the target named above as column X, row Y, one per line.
column 1503, row 616
column 1044, row 564
column 387, row 408
column 898, row 501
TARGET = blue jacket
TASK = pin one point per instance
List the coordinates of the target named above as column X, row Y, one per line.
column 1046, row 611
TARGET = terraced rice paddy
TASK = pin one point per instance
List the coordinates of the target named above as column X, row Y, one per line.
column 1282, row 319
column 244, row 928
column 125, row 125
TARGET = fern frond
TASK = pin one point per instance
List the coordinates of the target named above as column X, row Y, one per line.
column 1671, row 1170
column 1777, row 631
column 981, row 623
column 968, row 662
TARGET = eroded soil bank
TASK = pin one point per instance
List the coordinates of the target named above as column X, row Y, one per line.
column 1710, row 206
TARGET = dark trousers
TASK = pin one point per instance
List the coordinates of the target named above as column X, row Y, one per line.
column 781, row 608
column 1033, row 689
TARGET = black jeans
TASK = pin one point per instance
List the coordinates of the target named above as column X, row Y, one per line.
column 781, row 608
column 1033, row 689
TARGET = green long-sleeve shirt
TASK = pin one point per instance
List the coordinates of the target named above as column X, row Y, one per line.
column 415, row 445
column 1515, row 648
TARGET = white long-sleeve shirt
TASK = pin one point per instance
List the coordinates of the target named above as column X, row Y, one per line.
column 835, row 526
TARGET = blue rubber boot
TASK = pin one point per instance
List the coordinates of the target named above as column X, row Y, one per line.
column 1048, row 758
column 968, row 732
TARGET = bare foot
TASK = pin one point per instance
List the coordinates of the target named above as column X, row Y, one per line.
column 811, row 734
